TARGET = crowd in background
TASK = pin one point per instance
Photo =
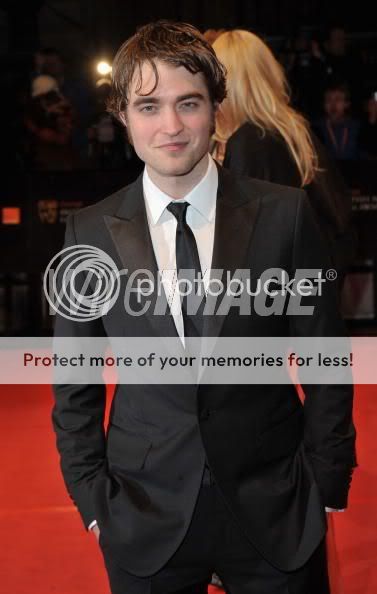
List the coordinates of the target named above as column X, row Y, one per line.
column 336, row 89
column 62, row 122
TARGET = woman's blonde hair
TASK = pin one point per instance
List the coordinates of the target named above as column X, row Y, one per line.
column 258, row 92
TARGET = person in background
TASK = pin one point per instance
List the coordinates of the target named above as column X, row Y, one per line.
column 304, row 63
column 75, row 89
column 259, row 134
column 337, row 129
column 368, row 131
column 49, row 122
column 343, row 64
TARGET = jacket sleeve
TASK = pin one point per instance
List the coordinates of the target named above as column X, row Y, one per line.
column 78, row 415
column 329, row 434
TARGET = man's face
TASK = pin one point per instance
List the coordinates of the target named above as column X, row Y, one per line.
column 336, row 104
column 171, row 127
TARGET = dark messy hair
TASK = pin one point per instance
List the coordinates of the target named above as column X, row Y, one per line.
column 178, row 44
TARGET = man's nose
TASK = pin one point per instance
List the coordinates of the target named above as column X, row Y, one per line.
column 171, row 122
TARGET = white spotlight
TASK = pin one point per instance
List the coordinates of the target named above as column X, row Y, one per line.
column 103, row 68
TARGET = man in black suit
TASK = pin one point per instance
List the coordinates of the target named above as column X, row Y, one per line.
column 196, row 478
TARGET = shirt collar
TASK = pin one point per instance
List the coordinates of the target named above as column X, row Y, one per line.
column 202, row 197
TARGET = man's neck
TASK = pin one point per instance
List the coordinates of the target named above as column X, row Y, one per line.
column 179, row 186
column 337, row 120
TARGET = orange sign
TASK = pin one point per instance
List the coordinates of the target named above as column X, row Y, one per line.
column 11, row 215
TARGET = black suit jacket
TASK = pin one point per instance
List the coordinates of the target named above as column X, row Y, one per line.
column 266, row 156
column 277, row 463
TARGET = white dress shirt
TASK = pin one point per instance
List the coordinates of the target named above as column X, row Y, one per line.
column 200, row 217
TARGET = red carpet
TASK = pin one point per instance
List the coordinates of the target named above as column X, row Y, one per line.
column 44, row 548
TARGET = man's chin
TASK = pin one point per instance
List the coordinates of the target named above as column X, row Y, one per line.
column 178, row 169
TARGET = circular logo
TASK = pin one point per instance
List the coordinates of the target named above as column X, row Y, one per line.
column 81, row 283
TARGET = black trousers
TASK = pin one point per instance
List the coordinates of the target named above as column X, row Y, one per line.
column 215, row 543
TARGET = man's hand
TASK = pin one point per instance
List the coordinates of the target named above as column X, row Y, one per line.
column 95, row 530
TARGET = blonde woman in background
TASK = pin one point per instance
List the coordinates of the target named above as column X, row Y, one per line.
column 259, row 134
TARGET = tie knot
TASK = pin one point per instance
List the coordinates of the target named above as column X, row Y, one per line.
column 178, row 209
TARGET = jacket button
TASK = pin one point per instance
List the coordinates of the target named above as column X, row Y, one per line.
column 204, row 415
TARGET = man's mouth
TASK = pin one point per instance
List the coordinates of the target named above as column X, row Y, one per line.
column 173, row 146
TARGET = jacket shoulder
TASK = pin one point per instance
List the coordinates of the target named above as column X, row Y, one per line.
column 107, row 206
column 254, row 188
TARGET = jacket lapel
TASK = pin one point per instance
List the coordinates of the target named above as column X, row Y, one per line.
column 129, row 231
column 236, row 216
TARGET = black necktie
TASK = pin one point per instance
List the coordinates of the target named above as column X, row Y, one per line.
column 187, row 260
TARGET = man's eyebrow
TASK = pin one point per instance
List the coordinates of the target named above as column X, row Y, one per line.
column 146, row 100
column 190, row 96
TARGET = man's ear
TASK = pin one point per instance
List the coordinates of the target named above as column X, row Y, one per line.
column 123, row 118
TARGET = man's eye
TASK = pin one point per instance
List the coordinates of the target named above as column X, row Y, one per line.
column 148, row 108
column 189, row 105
